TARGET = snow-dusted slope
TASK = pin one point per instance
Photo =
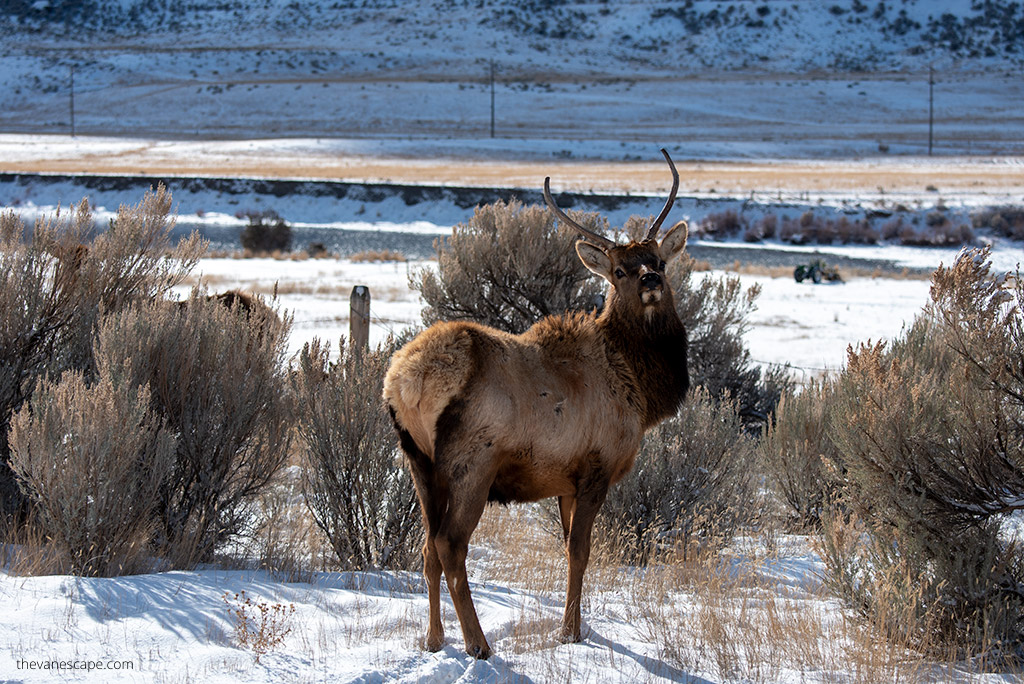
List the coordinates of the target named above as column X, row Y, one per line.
column 606, row 37
column 792, row 78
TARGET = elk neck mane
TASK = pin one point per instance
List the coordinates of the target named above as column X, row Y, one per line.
column 649, row 355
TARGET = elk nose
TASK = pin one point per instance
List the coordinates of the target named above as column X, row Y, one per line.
column 650, row 281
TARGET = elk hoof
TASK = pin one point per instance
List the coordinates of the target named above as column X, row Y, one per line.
column 569, row 637
column 479, row 652
column 435, row 642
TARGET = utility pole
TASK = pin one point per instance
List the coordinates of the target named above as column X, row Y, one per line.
column 71, row 104
column 492, row 97
column 931, row 107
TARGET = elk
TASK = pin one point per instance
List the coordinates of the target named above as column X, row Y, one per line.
column 557, row 411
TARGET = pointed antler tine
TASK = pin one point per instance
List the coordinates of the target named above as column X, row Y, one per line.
column 656, row 226
column 588, row 235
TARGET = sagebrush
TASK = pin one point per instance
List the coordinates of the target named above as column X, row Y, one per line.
column 692, row 483
column 266, row 233
column 797, row 452
column 92, row 459
column 507, row 267
column 929, row 433
column 354, row 482
column 216, row 375
column 57, row 278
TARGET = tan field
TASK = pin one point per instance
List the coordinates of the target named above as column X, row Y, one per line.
column 958, row 176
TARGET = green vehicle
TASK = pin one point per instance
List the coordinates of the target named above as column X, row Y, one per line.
column 817, row 271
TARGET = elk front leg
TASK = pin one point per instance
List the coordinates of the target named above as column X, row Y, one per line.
column 588, row 503
column 566, row 505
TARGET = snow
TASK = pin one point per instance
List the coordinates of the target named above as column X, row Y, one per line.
column 330, row 91
column 640, row 625
column 346, row 627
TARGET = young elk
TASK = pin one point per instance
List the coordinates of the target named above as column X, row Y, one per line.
column 560, row 410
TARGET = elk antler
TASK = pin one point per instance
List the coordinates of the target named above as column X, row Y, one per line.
column 653, row 232
column 591, row 236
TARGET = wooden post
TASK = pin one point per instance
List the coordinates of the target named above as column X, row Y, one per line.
column 359, row 318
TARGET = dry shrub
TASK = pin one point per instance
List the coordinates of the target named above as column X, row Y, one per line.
column 355, row 486
column 715, row 311
column 507, row 267
column 267, row 233
column 287, row 542
column 795, row 447
column 92, row 460
column 939, row 232
column 216, row 376
column 768, row 225
column 54, row 285
column 763, row 228
column 732, row 620
column 692, row 483
column 1005, row 221
column 375, row 255
column 259, row 626
column 893, row 228
column 722, row 224
column 28, row 550
column 930, row 432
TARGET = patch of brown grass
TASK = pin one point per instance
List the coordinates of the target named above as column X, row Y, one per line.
column 375, row 255
column 25, row 550
column 722, row 613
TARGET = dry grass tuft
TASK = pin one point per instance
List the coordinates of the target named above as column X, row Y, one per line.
column 375, row 255
column 259, row 626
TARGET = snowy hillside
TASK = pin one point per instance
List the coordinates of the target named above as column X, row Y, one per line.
column 549, row 35
column 773, row 78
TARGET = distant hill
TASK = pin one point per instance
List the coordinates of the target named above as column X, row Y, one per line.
column 719, row 78
column 597, row 37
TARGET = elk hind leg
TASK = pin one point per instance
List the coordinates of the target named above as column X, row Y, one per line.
column 433, row 501
column 465, row 506
column 432, row 507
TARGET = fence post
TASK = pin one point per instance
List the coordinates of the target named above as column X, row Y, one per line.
column 359, row 318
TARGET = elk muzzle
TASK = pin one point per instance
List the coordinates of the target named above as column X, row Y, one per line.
column 651, row 286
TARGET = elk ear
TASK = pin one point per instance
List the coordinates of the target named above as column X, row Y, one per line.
column 595, row 259
column 674, row 242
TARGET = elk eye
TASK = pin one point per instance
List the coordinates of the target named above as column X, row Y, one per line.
column 619, row 273
column 661, row 266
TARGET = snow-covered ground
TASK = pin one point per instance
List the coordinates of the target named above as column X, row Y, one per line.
column 367, row 627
